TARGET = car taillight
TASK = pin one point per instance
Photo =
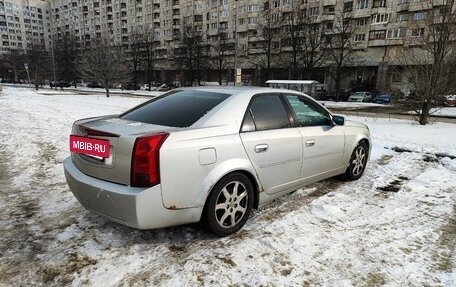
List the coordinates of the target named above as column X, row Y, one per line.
column 145, row 166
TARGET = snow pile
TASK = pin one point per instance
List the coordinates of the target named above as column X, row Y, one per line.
column 395, row 226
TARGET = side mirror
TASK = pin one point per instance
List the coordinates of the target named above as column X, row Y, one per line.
column 338, row 120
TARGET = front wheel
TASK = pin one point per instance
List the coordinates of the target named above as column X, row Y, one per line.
column 229, row 205
column 358, row 161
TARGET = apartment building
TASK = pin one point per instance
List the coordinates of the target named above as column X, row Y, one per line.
column 380, row 27
column 23, row 22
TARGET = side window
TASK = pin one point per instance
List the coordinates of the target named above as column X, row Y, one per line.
column 307, row 112
column 267, row 112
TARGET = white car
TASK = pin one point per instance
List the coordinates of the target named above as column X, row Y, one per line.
column 360, row 97
column 209, row 154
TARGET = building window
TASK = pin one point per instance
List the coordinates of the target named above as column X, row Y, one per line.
column 401, row 17
column 314, row 11
column 361, row 22
column 379, row 3
column 362, row 4
column 395, row 33
column 380, row 18
column 360, row 37
column 377, row 35
column 419, row 15
column 418, row 32
column 253, row 8
column 348, row 6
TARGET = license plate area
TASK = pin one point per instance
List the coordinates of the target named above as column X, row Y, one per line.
column 96, row 149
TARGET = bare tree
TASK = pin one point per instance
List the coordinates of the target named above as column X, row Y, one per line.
column 430, row 67
column 39, row 63
column 149, row 57
column 191, row 55
column 135, row 54
column 302, row 36
column 339, row 47
column 105, row 64
column 269, row 37
column 66, row 59
column 221, row 53
column 13, row 62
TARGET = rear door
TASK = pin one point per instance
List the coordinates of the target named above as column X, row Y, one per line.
column 323, row 143
column 273, row 146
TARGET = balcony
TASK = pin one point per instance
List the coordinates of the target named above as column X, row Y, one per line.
column 377, row 43
column 419, row 6
column 327, row 17
column 402, row 7
column 329, row 2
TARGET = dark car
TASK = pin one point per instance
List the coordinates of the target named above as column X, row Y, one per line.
column 382, row 99
column 93, row 85
column 131, row 86
column 60, row 84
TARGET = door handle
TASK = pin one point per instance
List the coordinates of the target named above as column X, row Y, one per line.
column 310, row 142
column 261, row 148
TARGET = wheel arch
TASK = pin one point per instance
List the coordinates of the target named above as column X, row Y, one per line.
column 218, row 174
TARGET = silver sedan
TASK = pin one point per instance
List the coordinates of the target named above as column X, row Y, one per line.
column 209, row 154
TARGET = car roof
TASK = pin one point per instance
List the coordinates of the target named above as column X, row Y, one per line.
column 234, row 90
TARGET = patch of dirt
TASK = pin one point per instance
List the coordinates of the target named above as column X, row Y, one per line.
column 394, row 185
column 63, row 273
column 444, row 259
column 384, row 159
column 226, row 259
column 374, row 279
column 428, row 157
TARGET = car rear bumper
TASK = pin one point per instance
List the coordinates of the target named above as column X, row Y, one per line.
column 136, row 207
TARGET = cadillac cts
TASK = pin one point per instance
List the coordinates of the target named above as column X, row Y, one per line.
column 209, row 154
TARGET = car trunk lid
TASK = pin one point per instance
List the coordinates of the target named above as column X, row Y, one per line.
column 121, row 135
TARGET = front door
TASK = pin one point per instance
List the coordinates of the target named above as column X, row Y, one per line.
column 323, row 142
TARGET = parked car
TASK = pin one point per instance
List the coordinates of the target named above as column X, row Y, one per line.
column 163, row 88
column 360, row 97
column 209, row 154
column 93, row 85
column 450, row 101
column 131, row 86
column 146, row 87
column 382, row 99
column 59, row 84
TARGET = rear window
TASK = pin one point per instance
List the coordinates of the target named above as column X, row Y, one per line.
column 180, row 108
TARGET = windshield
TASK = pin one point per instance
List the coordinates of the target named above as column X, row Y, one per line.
column 181, row 108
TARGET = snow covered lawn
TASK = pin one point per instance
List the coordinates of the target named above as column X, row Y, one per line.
column 396, row 226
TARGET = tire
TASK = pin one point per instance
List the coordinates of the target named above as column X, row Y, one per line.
column 358, row 161
column 229, row 205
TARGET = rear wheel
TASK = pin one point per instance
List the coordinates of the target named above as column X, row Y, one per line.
column 358, row 161
column 229, row 205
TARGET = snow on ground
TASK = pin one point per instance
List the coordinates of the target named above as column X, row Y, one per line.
column 349, row 105
column 396, row 226
column 446, row 111
column 71, row 90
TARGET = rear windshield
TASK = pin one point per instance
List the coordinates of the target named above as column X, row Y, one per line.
column 180, row 108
